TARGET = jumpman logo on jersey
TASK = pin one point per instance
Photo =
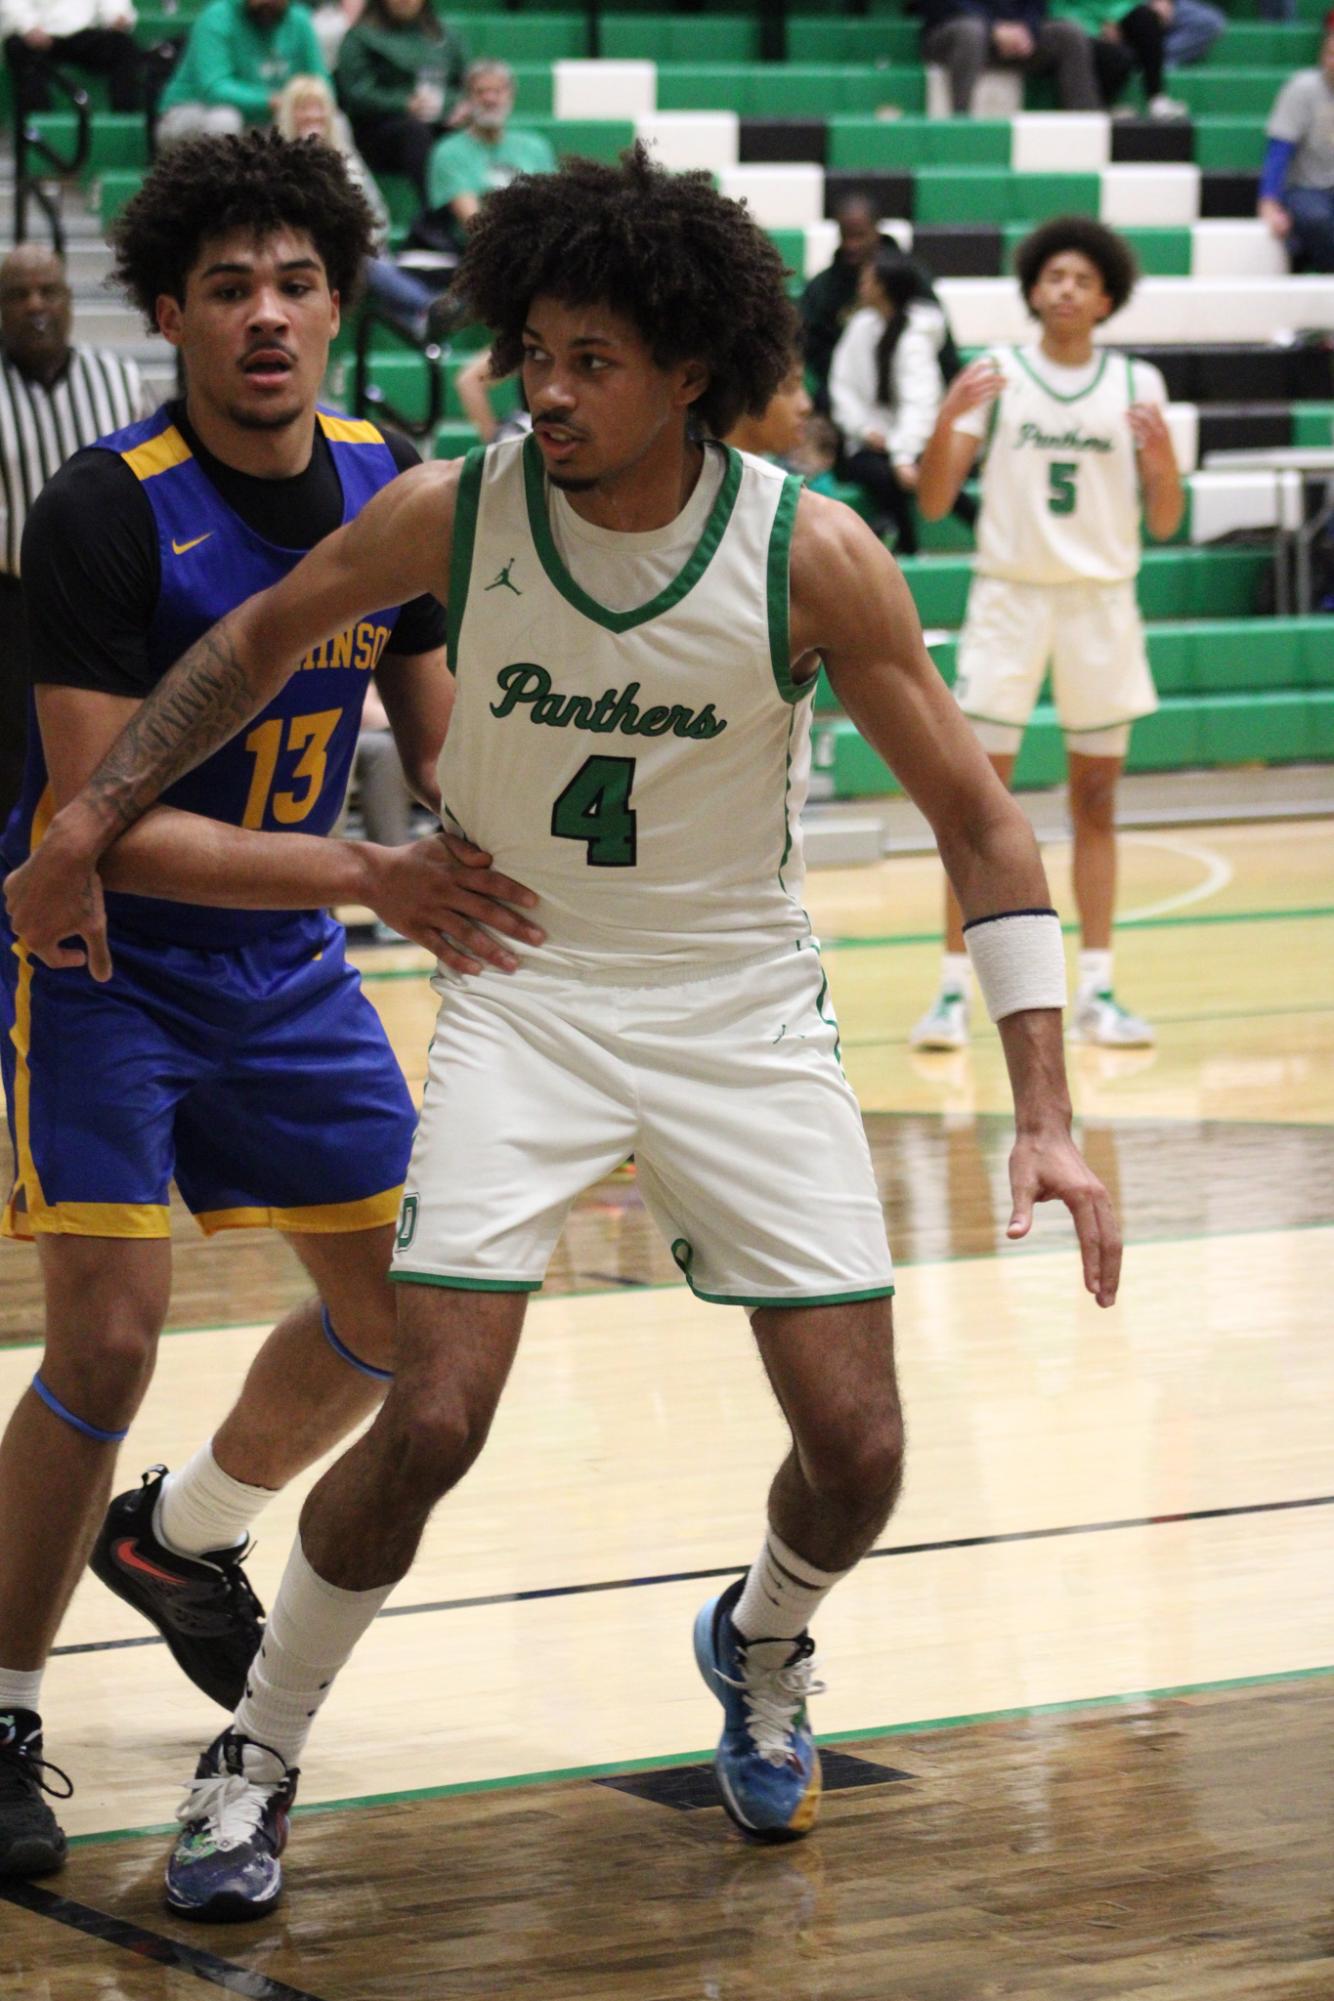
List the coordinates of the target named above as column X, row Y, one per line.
column 179, row 548
column 503, row 580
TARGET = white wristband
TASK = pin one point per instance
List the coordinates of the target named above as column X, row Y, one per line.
column 1019, row 960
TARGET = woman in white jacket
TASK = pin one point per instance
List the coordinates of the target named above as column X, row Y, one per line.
column 885, row 388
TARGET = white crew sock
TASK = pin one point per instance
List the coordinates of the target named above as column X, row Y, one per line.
column 1095, row 973
column 202, row 1508
column 311, row 1632
column 20, row 1688
column 956, row 973
column 781, row 1594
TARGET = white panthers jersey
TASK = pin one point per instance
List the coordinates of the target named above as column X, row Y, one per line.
column 1060, row 487
column 641, row 770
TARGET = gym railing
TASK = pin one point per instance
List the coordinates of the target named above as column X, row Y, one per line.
column 369, row 399
column 36, row 158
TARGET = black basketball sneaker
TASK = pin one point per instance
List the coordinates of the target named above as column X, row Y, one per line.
column 203, row 1606
column 31, row 1840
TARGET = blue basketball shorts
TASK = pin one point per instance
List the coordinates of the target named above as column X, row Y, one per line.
column 258, row 1077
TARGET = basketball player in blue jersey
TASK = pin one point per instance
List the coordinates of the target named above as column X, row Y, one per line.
column 233, row 1048
column 636, row 618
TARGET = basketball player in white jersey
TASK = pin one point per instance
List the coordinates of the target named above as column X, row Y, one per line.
column 636, row 616
column 1073, row 443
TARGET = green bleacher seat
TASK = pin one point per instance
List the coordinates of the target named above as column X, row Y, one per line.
column 590, row 138
column 829, row 39
column 1173, row 583
column 979, row 195
column 1230, row 145
column 787, row 90
column 525, row 37
column 673, row 38
column 888, row 144
column 1162, row 253
column 1285, row 45
column 1231, row 93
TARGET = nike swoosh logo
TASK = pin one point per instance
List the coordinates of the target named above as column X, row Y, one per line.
column 179, row 548
column 127, row 1552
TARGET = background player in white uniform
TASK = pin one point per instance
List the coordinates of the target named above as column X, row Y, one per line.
column 1075, row 440
column 636, row 617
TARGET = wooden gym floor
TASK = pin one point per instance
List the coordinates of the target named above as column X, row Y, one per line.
column 1080, row 1707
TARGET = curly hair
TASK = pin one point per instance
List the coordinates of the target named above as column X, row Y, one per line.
column 691, row 270
column 256, row 182
column 1111, row 254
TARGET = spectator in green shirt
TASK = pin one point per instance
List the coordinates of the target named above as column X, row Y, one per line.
column 400, row 71
column 486, row 154
column 239, row 56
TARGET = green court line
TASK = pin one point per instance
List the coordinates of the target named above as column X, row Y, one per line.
column 1013, row 1252
column 918, row 1727
column 1188, row 920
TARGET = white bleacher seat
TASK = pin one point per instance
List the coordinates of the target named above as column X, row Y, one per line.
column 1156, row 197
column 779, row 197
column 683, row 139
column 1067, row 142
column 581, row 89
column 999, row 93
column 1235, row 248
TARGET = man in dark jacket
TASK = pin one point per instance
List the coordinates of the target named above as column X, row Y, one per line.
column 967, row 36
column 831, row 295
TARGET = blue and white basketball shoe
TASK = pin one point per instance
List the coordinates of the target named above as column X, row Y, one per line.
column 224, row 1868
column 767, row 1764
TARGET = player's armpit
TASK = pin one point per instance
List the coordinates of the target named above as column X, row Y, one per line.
column 417, row 690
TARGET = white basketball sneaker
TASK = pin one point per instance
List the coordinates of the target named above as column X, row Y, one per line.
column 944, row 1025
column 1100, row 1021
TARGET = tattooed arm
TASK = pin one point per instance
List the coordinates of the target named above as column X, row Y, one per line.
column 397, row 548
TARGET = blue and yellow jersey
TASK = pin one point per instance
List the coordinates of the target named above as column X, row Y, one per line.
column 288, row 769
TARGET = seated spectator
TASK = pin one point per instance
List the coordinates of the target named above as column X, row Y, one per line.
column 399, row 74
column 831, row 295
column 967, row 36
column 1126, row 39
column 486, row 153
column 93, row 34
column 1297, row 179
column 239, row 56
column 306, row 110
column 885, row 389
column 1193, row 29
column 778, row 430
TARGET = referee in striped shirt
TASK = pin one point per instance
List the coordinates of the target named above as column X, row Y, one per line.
column 55, row 397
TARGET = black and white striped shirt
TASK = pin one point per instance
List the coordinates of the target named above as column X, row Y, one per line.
column 40, row 428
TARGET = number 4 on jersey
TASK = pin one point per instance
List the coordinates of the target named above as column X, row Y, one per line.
column 595, row 808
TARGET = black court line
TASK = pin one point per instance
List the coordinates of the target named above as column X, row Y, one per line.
column 152, row 1946
column 734, row 1569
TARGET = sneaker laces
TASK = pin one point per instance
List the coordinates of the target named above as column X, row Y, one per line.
column 232, row 1804
column 241, row 1594
column 775, row 1697
column 21, row 1770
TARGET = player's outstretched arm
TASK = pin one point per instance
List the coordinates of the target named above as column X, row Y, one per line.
column 396, row 549
column 850, row 605
column 949, row 455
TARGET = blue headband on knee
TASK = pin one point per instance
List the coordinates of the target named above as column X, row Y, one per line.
column 345, row 1354
column 57, row 1409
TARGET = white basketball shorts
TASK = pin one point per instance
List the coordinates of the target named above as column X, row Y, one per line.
column 1091, row 634
column 748, row 1143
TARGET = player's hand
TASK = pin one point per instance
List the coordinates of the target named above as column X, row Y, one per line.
column 444, row 894
column 1274, row 217
column 1012, row 40
column 1153, row 440
column 1050, row 1168
column 906, row 476
column 56, row 894
column 981, row 382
